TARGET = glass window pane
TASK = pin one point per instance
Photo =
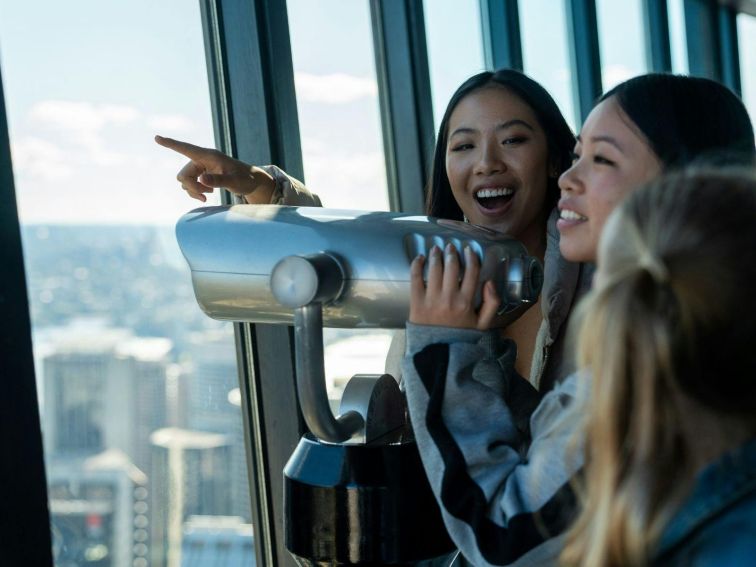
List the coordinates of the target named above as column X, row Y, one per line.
column 677, row 38
column 455, row 47
column 339, row 121
column 747, row 48
column 337, row 101
column 138, row 388
column 545, row 51
column 621, row 37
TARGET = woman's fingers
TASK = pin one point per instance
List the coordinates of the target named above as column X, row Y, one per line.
column 472, row 271
column 443, row 300
column 187, row 176
column 435, row 272
column 450, row 283
column 489, row 306
column 417, row 289
column 184, row 148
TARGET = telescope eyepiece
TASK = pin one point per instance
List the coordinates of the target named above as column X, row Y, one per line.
column 297, row 281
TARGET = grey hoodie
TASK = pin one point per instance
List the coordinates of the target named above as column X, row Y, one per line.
column 503, row 487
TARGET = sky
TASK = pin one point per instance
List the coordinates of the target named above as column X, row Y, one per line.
column 88, row 83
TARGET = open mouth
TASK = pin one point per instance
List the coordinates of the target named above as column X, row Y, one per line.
column 494, row 198
column 571, row 216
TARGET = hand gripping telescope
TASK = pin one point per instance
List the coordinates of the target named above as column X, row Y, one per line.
column 355, row 490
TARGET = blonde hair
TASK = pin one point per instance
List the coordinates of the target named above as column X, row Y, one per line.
column 671, row 312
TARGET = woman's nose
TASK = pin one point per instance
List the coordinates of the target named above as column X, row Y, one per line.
column 490, row 160
column 569, row 180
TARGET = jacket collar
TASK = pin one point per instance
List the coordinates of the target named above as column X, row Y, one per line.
column 717, row 487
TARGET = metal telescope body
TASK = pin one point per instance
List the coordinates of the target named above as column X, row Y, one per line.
column 359, row 472
column 232, row 252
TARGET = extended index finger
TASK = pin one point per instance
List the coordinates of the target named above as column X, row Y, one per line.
column 184, row 148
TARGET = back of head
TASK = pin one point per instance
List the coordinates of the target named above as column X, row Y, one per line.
column 559, row 137
column 688, row 120
column 671, row 319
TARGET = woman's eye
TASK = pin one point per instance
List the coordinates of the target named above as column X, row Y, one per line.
column 461, row 147
column 514, row 140
column 602, row 160
column 574, row 156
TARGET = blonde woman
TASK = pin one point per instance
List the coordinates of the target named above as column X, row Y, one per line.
column 669, row 335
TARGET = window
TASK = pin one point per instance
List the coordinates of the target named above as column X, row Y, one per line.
column 136, row 385
column 455, row 47
column 545, row 52
column 621, row 37
column 342, row 148
column 747, row 48
column 677, row 37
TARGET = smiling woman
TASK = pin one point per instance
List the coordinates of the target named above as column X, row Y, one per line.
column 641, row 127
column 618, row 158
column 497, row 162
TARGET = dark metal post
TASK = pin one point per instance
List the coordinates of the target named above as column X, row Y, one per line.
column 730, row 56
column 255, row 119
column 24, row 519
column 702, row 33
column 405, row 98
column 656, row 20
column 502, row 44
column 585, row 57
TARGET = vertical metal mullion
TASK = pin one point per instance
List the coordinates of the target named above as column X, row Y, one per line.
column 702, row 33
column 502, row 44
column 405, row 99
column 729, row 52
column 584, row 54
column 255, row 119
column 24, row 519
column 658, row 51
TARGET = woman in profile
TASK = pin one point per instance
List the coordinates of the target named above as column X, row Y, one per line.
column 668, row 336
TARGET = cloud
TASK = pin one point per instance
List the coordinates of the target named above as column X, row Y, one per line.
column 170, row 123
column 81, row 116
column 79, row 127
column 337, row 88
column 41, row 159
column 346, row 180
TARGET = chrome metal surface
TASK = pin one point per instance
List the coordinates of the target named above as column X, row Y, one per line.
column 311, row 385
column 374, row 250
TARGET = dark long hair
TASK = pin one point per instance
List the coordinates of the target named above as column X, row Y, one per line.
column 688, row 119
column 559, row 137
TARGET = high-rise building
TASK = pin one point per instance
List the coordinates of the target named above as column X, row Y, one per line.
column 99, row 511
column 190, row 477
column 103, row 388
column 218, row 540
column 214, row 406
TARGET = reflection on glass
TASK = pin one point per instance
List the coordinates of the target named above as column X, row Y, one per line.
column 545, row 51
column 747, row 48
column 677, row 37
column 621, row 33
column 339, row 120
column 142, row 431
column 455, row 47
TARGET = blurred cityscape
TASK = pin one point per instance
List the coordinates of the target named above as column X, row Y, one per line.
column 140, row 401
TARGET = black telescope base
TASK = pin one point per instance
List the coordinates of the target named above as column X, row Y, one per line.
column 362, row 505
